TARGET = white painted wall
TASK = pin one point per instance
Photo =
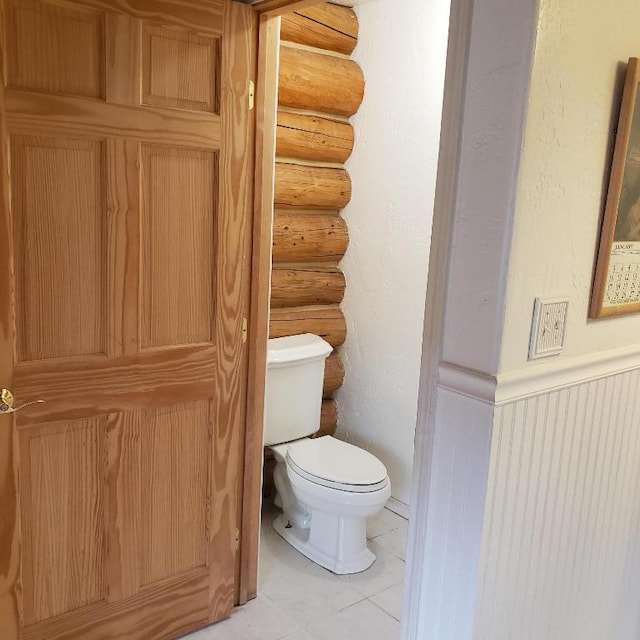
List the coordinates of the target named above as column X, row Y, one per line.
column 561, row 545
column 486, row 94
column 560, row 552
column 393, row 170
column 573, row 109
column 498, row 69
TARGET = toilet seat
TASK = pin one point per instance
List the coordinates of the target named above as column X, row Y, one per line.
column 337, row 486
column 327, row 489
column 337, row 465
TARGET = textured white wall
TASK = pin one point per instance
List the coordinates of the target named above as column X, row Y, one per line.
column 393, row 170
column 561, row 543
column 560, row 555
column 573, row 107
column 494, row 107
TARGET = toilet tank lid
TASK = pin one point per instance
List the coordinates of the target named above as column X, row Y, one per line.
column 301, row 347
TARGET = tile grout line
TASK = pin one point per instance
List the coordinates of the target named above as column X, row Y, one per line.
column 383, row 610
column 353, row 604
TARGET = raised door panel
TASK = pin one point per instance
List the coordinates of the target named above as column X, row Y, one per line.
column 69, row 59
column 62, row 492
column 178, row 249
column 59, row 226
column 158, row 470
column 180, row 69
column 175, row 446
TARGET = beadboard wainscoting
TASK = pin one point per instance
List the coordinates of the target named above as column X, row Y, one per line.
column 561, row 544
column 533, row 527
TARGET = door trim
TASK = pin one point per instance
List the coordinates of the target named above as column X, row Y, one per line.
column 278, row 7
column 266, row 116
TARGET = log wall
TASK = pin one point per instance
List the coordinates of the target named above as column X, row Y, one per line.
column 319, row 88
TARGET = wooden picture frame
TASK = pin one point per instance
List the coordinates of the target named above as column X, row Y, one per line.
column 616, row 288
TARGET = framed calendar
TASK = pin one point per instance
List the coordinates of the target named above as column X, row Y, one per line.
column 616, row 288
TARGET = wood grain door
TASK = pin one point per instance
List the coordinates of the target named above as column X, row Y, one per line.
column 124, row 247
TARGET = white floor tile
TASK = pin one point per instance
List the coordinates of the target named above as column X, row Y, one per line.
column 394, row 541
column 390, row 600
column 306, row 591
column 300, row 600
column 309, row 595
column 256, row 620
column 361, row 620
column 314, row 603
column 383, row 522
column 297, row 635
column 386, row 571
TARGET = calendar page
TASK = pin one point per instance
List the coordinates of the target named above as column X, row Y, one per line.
column 623, row 277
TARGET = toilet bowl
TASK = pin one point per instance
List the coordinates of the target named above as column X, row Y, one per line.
column 326, row 488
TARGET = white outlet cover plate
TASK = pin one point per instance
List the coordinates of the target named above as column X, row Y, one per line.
column 549, row 326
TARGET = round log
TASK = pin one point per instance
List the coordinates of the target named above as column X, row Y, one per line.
column 311, row 187
column 319, row 82
column 306, row 285
column 309, row 237
column 328, row 418
column 313, row 138
column 326, row 26
column 333, row 374
column 328, row 322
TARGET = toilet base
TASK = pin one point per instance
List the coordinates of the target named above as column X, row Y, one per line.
column 327, row 526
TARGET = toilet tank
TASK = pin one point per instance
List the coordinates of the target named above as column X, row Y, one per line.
column 295, row 375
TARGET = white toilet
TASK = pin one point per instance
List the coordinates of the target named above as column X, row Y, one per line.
column 326, row 488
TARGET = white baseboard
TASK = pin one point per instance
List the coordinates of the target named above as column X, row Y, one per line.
column 399, row 508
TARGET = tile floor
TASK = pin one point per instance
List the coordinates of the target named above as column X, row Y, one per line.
column 301, row 601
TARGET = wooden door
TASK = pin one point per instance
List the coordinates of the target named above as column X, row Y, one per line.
column 124, row 248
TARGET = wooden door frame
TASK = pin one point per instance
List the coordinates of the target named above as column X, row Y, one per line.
column 266, row 106
column 274, row 8
column 262, row 234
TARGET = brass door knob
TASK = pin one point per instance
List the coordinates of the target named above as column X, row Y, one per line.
column 6, row 402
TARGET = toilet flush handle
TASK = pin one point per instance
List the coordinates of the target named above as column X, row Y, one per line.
column 6, row 402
